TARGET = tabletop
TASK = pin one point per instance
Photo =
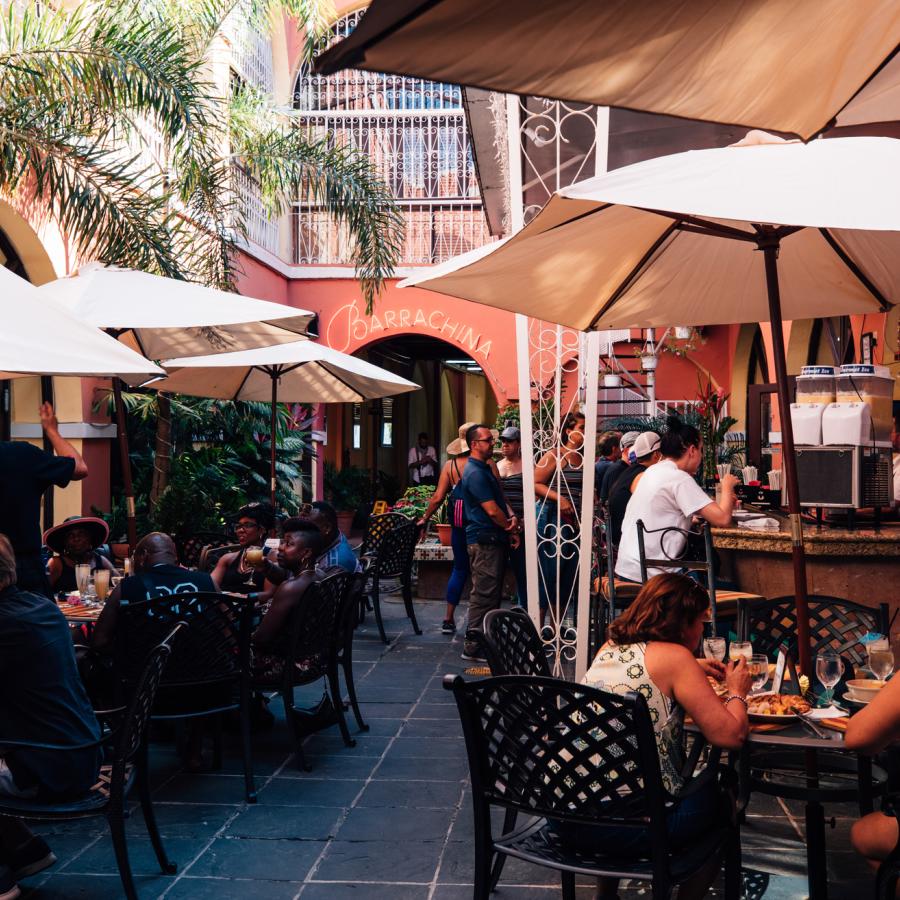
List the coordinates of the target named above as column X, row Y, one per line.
column 792, row 735
column 78, row 614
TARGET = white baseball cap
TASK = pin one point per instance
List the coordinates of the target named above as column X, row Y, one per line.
column 646, row 443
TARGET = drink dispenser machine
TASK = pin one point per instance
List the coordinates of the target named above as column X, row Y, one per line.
column 861, row 413
column 815, row 392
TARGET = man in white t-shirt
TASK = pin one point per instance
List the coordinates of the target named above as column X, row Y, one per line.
column 422, row 462
column 668, row 496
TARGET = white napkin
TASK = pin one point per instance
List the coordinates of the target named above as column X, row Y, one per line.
column 761, row 523
column 828, row 712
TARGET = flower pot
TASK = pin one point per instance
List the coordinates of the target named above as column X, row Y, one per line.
column 683, row 332
column 345, row 519
column 649, row 362
column 612, row 381
column 119, row 550
column 444, row 533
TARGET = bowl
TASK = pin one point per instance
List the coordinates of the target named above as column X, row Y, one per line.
column 865, row 688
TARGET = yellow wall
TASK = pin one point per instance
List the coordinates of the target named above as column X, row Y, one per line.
column 481, row 406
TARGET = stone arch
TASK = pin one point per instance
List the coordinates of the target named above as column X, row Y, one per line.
column 35, row 261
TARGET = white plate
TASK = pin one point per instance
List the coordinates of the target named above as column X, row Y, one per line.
column 856, row 702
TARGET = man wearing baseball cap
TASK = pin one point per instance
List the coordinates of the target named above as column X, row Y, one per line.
column 611, row 475
column 646, row 452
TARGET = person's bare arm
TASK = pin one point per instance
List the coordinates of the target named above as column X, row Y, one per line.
column 877, row 724
column 54, row 570
column 285, row 599
column 61, row 447
column 497, row 516
column 440, row 492
column 720, row 514
column 106, row 564
column 218, row 573
column 677, row 673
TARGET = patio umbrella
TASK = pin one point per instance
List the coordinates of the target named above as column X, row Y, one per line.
column 35, row 340
column 164, row 317
column 301, row 372
column 790, row 67
column 676, row 239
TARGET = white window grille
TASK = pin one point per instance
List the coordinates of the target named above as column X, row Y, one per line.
column 414, row 133
column 251, row 51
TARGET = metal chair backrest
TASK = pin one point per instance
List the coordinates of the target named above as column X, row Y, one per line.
column 137, row 715
column 191, row 548
column 314, row 626
column 513, row 645
column 348, row 616
column 834, row 624
column 376, row 529
column 394, row 558
column 210, row 556
column 680, row 537
column 215, row 646
column 548, row 747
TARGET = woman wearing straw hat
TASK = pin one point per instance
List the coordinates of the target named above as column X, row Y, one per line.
column 449, row 479
column 76, row 541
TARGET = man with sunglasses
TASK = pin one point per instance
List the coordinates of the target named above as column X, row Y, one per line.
column 490, row 532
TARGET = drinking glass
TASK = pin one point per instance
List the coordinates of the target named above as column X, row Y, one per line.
column 881, row 658
column 83, row 577
column 737, row 649
column 829, row 668
column 759, row 670
column 714, row 648
column 253, row 557
column 101, row 584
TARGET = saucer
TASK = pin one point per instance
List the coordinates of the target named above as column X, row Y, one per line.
column 849, row 698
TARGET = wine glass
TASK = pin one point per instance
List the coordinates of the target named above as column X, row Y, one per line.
column 829, row 668
column 714, row 648
column 737, row 649
column 759, row 670
column 253, row 557
column 881, row 657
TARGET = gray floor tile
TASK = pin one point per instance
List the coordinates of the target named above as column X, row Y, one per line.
column 286, row 822
column 419, row 794
column 309, row 792
column 229, row 888
column 99, row 858
column 379, row 861
column 365, row 891
column 265, row 860
column 371, row 824
column 438, row 769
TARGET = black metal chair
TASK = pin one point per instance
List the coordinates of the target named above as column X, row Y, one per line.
column 347, row 621
column 211, row 673
column 394, row 560
column 376, row 529
column 124, row 766
column 311, row 653
column 578, row 756
column 190, row 548
column 834, row 624
column 512, row 644
column 210, row 555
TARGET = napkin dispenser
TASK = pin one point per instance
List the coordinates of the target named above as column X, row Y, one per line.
column 758, row 495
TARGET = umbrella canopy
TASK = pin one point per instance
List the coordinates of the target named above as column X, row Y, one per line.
column 163, row 317
column 626, row 249
column 789, row 67
column 301, row 372
column 679, row 239
column 37, row 340
column 306, row 372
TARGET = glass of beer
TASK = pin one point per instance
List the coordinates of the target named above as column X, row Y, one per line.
column 253, row 556
column 83, row 577
column 101, row 584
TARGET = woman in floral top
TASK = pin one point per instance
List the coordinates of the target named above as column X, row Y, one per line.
column 651, row 650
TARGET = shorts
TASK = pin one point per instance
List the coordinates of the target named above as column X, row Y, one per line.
column 8, row 787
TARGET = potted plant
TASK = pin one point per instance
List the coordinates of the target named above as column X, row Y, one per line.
column 649, row 360
column 683, row 332
column 442, row 524
column 347, row 489
column 611, row 379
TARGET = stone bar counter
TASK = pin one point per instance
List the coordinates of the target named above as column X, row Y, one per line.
column 862, row 565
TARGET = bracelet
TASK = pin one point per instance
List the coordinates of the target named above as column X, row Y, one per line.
column 731, row 697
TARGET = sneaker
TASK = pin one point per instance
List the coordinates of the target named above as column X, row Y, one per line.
column 29, row 858
column 448, row 626
column 472, row 652
column 9, row 890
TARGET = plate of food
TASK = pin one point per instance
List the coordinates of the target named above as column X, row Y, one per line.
column 776, row 707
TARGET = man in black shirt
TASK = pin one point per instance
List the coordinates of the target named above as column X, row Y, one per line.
column 42, row 700
column 615, row 469
column 25, row 473
column 646, row 451
column 157, row 574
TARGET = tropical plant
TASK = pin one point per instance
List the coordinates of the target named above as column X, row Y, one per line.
column 349, row 488
column 714, row 424
column 415, row 501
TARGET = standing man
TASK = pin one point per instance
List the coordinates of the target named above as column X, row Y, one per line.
column 423, row 462
column 26, row 472
column 490, row 532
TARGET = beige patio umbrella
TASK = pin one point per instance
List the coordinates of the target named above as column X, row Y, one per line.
column 678, row 239
column 300, row 372
column 783, row 66
column 164, row 317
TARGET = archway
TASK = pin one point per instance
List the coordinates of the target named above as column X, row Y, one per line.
column 378, row 435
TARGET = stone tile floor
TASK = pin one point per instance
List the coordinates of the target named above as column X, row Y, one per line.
column 389, row 818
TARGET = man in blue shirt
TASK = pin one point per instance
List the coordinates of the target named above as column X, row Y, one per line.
column 608, row 451
column 337, row 550
column 489, row 532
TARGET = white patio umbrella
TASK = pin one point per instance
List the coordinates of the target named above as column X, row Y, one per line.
column 164, row 317
column 675, row 239
column 300, row 372
column 790, row 67
column 37, row 340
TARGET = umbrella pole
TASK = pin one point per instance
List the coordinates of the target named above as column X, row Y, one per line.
column 769, row 245
column 126, row 465
column 272, row 440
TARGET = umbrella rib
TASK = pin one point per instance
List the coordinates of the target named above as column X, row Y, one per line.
column 707, row 227
column 633, row 274
column 350, row 387
column 861, row 276
column 237, row 393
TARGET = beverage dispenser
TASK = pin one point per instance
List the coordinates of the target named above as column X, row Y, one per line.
column 815, row 392
column 861, row 413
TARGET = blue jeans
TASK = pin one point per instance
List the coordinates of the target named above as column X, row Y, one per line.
column 457, row 581
column 568, row 561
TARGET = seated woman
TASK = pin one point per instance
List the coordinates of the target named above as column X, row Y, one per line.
column 76, row 542
column 869, row 731
column 233, row 573
column 651, row 650
column 301, row 545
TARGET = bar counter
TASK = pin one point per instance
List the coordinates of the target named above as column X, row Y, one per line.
column 862, row 565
